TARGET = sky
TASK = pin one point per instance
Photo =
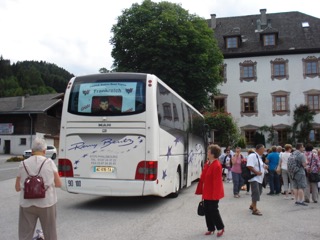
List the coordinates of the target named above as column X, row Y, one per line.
column 75, row 34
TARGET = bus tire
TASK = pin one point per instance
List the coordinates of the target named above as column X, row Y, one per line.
column 177, row 185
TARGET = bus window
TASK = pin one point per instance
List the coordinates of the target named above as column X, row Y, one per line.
column 107, row 98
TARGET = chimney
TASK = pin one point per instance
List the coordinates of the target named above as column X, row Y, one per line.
column 20, row 103
column 213, row 21
column 263, row 17
column 258, row 25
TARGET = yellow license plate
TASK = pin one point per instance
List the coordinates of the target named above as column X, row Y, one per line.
column 104, row 169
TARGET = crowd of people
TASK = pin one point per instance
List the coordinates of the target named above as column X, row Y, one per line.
column 277, row 177
column 269, row 169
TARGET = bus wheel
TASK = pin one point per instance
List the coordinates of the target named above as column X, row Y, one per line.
column 177, row 185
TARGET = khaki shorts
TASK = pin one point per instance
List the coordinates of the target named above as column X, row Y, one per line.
column 299, row 181
column 256, row 191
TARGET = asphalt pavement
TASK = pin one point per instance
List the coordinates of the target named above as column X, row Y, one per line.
column 281, row 218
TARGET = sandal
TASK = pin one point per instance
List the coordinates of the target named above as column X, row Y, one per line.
column 256, row 212
column 251, row 208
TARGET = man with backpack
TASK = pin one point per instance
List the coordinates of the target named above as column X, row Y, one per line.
column 298, row 161
column 258, row 168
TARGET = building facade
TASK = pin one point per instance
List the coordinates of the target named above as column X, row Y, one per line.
column 271, row 66
column 25, row 117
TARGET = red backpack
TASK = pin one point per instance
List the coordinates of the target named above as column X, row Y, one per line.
column 34, row 185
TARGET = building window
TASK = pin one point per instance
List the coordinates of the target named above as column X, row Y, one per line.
column 223, row 72
column 232, row 42
column 23, row 141
column 269, row 40
column 279, row 69
column 167, row 111
column 248, row 71
column 310, row 67
column 280, row 103
column 219, row 102
column 313, row 102
column 249, row 135
column 314, row 135
column 249, row 104
column 282, row 137
column 312, row 99
column 175, row 112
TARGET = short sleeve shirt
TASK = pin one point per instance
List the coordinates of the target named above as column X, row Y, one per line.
column 301, row 158
column 252, row 160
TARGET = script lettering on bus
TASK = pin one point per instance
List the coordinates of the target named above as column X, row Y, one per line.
column 123, row 142
column 85, row 107
column 82, row 145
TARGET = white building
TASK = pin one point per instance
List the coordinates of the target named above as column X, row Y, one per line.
column 271, row 65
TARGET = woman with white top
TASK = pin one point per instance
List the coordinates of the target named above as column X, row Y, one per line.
column 43, row 209
column 284, row 171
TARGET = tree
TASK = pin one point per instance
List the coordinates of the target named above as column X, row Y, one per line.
column 224, row 125
column 302, row 125
column 165, row 40
column 31, row 77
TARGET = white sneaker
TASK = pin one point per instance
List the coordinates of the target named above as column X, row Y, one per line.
column 287, row 198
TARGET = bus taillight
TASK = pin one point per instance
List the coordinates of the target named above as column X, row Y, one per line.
column 147, row 170
column 65, row 168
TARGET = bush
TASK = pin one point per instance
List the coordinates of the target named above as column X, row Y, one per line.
column 15, row 159
column 242, row 142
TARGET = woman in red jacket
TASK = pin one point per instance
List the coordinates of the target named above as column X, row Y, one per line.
column 211, row 188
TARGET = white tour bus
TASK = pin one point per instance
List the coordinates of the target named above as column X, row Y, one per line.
column 128, row 134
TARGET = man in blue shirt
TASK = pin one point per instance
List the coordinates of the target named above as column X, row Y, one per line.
column 274, row 179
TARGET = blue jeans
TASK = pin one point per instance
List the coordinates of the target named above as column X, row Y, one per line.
column 274, row 182
column 237, row 182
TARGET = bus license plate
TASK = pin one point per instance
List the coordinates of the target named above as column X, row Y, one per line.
column 104, row 169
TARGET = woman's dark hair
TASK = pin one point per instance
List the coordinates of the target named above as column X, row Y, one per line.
column 309, row 147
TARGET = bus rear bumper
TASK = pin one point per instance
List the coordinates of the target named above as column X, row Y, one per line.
column 108, row 187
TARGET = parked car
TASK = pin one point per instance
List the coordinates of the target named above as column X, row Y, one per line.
column 51, row 152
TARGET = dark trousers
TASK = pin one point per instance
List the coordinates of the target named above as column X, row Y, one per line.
column 274, row 182
column 212, row 215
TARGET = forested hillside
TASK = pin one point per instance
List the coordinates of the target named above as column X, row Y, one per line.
column 31, row 77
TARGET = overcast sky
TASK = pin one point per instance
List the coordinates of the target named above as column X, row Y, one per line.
column 75, row 34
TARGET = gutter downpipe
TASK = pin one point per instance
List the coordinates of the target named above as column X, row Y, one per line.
column 31, row 125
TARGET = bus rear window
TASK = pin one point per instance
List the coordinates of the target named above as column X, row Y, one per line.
column 107, row 98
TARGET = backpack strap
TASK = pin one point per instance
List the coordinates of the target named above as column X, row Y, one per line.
column 258, row 161
column 39, row 169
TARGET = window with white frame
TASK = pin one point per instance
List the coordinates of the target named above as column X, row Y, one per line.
column 310, row 67
column 248, row 71
column 280, row 103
